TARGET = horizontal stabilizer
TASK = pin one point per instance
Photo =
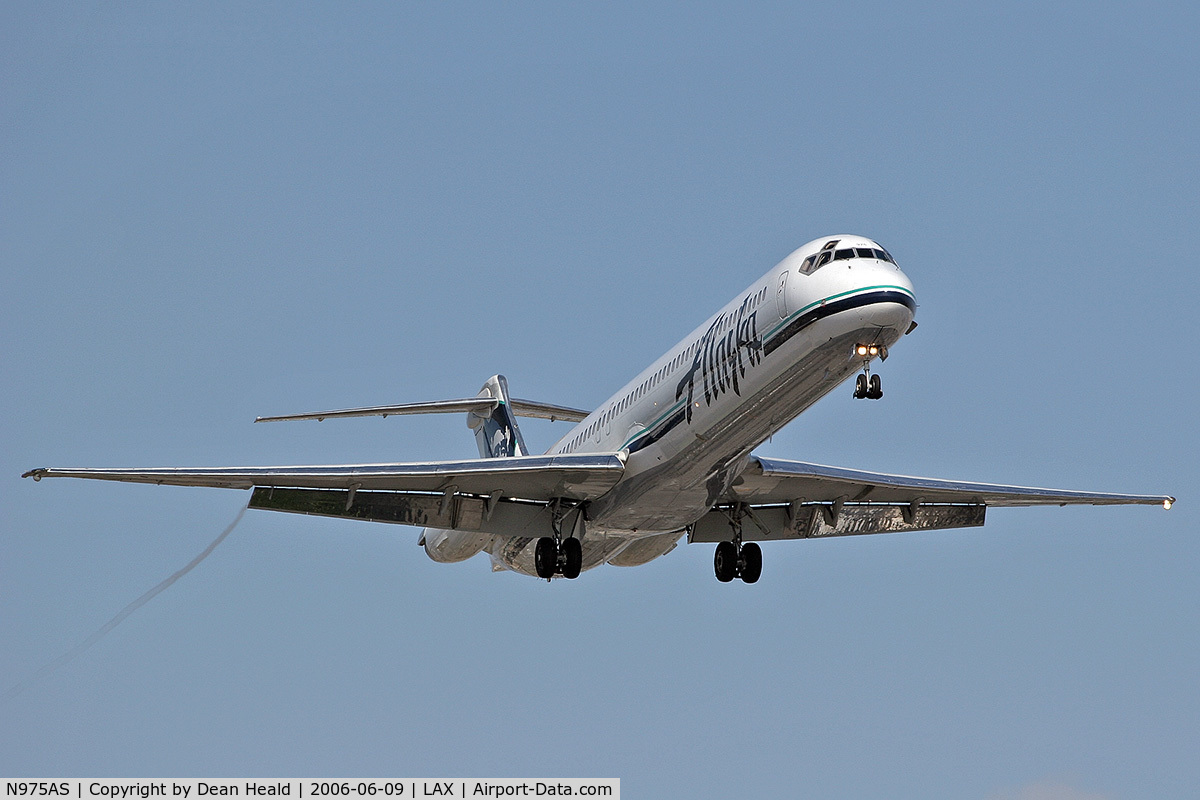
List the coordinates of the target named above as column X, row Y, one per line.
column 480, row 405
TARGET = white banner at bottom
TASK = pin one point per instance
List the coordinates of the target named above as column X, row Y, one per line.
column 314, row 788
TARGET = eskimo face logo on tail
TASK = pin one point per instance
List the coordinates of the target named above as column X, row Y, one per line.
column 730, row 345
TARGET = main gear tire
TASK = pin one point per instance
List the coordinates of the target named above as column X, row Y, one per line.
column 751, row 562
column 545, row 558
column 725, row 562
column 572, row 550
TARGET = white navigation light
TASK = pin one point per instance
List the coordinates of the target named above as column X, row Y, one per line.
column 1167, row 504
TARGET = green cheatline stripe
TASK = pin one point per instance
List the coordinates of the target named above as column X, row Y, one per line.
column 771, row 333
column 655, row 424
column 783, row 323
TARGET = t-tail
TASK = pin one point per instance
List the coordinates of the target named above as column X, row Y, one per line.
column 495, row 428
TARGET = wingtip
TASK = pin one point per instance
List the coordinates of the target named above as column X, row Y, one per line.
column 36, row 474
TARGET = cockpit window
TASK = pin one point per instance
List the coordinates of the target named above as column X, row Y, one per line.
column 828, row 253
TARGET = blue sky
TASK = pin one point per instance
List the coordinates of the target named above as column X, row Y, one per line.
column 213, row 212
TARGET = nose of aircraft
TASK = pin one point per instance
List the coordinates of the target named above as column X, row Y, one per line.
column 853, row 278
column 881, row 292
column 900, row 305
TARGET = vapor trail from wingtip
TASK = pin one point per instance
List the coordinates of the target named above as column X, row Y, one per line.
column 79, row 649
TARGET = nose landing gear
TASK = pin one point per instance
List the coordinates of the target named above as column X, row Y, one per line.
column 868, row 385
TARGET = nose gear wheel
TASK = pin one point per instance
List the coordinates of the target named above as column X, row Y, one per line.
column 867, row 385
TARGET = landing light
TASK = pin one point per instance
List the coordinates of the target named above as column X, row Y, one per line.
column 867, row 349
column 861, row 349
column 1167, row 504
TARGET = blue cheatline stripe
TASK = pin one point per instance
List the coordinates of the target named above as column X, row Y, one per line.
column 825, row 300
column 816, row 311
column 641, row 439
column 910, row 301
column 788, row 328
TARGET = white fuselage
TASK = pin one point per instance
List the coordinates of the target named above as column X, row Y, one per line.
column 688, row 421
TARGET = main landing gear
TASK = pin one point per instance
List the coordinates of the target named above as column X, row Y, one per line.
column 558, row 556
column 868, row 385
column 743, row 562
column 734, row 559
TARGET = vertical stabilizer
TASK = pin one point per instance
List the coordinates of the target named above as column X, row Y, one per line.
column 496, row 431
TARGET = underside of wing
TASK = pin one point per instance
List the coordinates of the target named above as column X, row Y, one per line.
column 537, row 478
column 768, row 481
column 777, row 499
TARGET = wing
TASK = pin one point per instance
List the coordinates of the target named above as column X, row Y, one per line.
column 769, row 480
column 777, row 499
column 537, row 478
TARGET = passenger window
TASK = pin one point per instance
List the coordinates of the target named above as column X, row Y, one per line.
column 843, row 255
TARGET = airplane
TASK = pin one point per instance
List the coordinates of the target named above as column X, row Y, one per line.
column 668, row 456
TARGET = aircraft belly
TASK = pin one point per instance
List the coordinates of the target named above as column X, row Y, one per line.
column 644, row 550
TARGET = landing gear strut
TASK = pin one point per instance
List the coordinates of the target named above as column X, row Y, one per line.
column 868, row 385
column 734, row 559
column 558, row 556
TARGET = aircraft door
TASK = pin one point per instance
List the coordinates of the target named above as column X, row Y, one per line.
column 781, row 296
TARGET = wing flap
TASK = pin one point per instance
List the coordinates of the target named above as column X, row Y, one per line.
column 769, row 480
column 570, row 476
column 772, row 523
column 506, row 518
column 404, row 508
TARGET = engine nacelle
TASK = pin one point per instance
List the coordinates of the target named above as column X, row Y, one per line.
column 449, row 547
